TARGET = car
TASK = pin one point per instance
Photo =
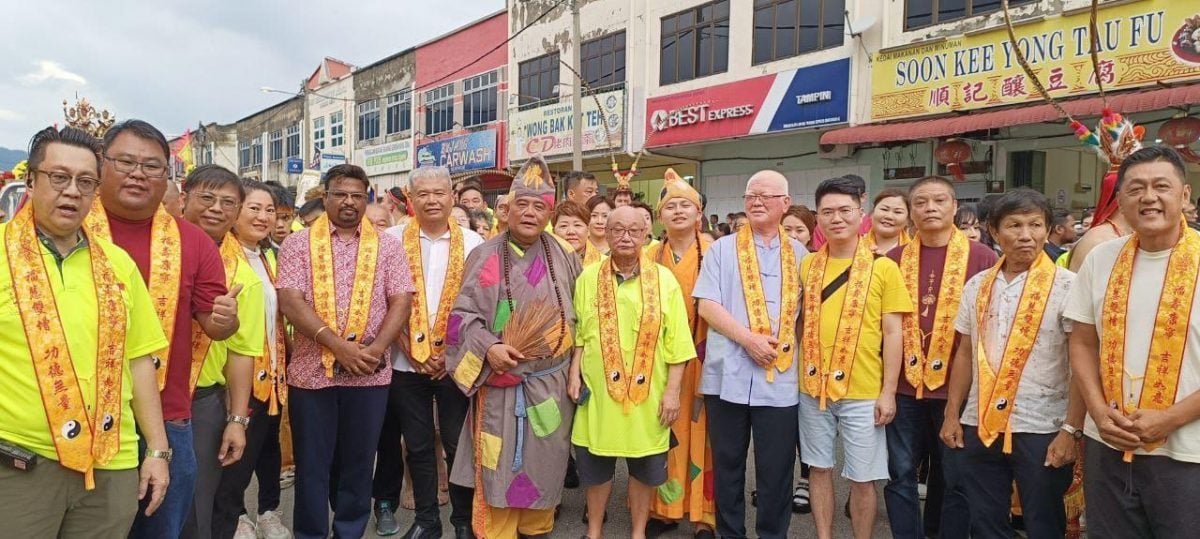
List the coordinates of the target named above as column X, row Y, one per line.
column 11, row 196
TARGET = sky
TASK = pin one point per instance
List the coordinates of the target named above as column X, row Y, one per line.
column 176, row 64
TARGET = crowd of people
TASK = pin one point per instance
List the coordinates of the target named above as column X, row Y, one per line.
column 166, row 344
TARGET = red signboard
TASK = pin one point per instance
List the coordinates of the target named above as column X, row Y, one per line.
column 714, row 112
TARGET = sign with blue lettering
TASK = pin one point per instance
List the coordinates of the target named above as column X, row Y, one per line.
column 816, row 96
column 474, row 151
column 295, row 165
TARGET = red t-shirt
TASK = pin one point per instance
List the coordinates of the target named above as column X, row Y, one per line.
column 202, row 277
column 979, row 259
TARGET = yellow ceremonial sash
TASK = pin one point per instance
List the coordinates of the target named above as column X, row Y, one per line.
column 624, row 386
column 998, row 390
column 904, row 240
column 324, row 292
column 269, row 380
column 166, row 262
column 80, row 441
column 756, row 303
column 591, row 254
column 928, row 369
column 231, row 256
column 1170, row 328
column 419, row 335
column 832, row 380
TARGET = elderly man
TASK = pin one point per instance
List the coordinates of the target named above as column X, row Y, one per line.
column 437, row 251
column 514, row 446
column 632, row 340
column 1014, row 374
column 346, row 289
column 1140, row 372
column 77, row 333
column 749, row 293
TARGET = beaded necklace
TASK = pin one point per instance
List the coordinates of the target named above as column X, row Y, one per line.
column 562, row 316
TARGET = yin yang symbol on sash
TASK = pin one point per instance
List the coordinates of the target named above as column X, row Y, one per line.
column 812, row 370
column 937, row 365
column 912, row 361
column 71, row 429
column 1002, row 403
column 420, row 337
column 108, row 422
column 157, row 362
column 839, row 375
column 262, row 375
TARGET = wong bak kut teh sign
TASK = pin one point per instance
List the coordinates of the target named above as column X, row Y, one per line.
column 473, row 151
column 548, row 130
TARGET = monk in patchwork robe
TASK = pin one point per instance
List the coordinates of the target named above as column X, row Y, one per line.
column 514, row 444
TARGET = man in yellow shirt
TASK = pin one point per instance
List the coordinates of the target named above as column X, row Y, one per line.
column 212, row 199
column 853, row 307
column 632, row 342
column 77, row 329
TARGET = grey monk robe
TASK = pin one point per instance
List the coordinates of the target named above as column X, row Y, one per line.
column 515, row 439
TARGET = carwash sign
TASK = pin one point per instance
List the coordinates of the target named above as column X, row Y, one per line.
column 800, row 98
column 475, row 151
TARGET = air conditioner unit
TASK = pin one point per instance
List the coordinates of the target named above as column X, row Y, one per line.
column 835, row 151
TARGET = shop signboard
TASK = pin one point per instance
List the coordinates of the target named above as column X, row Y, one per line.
column 473, row 151
column 547, row 130
column 330, row 160
column 295, row 165
column 1141, row 44
column 808, row 97
column 388, row 158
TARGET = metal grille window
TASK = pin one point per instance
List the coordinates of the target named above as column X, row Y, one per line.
column 293, row 140
column 399, row 112
column 922, row 13
column 479, row 98
column 244, row 154
column 276, row 145
column 786, row 28
column 695, row 43
column 603, row 60
column 256, row 151
column 368, row 119
column 536, row 80
column 337, row 129
column 439, row 109
column 319, row 132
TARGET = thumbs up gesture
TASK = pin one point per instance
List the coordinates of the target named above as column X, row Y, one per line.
column 225, row 307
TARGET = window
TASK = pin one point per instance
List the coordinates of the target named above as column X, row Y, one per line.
column 439, row 110
column 399, row 112
column 921, row 13
column 293, row 140
column 319, row 132
column 206, row 158
column 337, row 129
column 536, row 80
column 695, row 43
column 256, row 149
column 786, row 28
column 244, row 154
column 479, row 99
column 368, row 119
column 276, row 145
column 603, row 60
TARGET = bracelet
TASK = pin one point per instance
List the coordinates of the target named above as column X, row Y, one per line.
column 317, row 335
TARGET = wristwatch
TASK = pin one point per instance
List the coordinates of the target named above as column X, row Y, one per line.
column 160, row 454
column 239, row 419
column 1074, row 432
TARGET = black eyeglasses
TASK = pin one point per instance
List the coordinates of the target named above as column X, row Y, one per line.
column 60, row 180
column 151, row 169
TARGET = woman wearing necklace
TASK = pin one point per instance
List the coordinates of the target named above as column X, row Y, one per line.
column 889, row 221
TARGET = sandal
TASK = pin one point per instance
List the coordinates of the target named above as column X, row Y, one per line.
column 800, row 498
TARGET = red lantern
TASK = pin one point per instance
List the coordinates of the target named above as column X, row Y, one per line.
column 1180, row 133
column 953, row 153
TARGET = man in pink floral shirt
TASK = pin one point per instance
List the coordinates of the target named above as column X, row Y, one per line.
column 339, row 375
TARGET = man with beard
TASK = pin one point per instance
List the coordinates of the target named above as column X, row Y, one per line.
column 346, row 290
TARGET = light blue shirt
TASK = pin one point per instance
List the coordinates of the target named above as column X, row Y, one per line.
column 728, row 370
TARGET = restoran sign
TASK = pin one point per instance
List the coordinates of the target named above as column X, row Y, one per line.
column 1141, row 43
column 548, row 130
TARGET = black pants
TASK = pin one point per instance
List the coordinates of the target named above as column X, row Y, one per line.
column 208, row 427
column 1150, row 497
column 230, row 502
column 269, row 466
column 988, row 475
column 412, row 401
column 775, row 431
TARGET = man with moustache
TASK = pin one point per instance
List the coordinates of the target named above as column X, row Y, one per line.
column 346, row 289
column 186, row 280
column 436, row 250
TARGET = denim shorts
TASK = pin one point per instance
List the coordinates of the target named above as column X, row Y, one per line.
column 864, row 445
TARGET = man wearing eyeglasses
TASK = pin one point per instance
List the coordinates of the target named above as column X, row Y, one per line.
column 347, row 289
column 749, row 293
column 186, row 280
column 212, row 198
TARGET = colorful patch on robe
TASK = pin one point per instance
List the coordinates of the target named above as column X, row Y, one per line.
column 697, row 407
column 452, row 330
column 544, row 417
column 468, row 370
column 536, row 271
column 507, row 379
column 502, row 315
column 693, row 471
column 491, row 445
column 670, row 491
column 708, row 485
column 702, row 350
column 489, row 275
column 522, row 493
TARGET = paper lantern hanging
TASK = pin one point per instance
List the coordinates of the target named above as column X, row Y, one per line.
column 1180, row 133
column 953, row 153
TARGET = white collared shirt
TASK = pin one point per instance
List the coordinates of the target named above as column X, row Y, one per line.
column 435, row 260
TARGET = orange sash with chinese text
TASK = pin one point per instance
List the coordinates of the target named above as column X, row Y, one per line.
column 832, row 380
column 903, row 241
column 80, row 441
column 166, row 262
column 270, row 385
column 928, row 369
column 320, row 248
column 628, row 387
column 998, row 390
column 756, row 303
column 1170, row 328
column 231, row 256
column 419, row 336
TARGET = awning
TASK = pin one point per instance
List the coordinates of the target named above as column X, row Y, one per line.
column 1034, row 113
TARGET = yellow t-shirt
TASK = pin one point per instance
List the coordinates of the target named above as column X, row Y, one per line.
column 886, row 294
column 251, row 333
column 22, row 420
column 601, row 424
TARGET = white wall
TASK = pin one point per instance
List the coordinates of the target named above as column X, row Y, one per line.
column 323, row 102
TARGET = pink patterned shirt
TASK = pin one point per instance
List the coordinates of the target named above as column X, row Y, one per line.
column 392, row 277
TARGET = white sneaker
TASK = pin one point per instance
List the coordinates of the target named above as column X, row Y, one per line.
column 271, row 527
column 245, row 529
column 922, row 491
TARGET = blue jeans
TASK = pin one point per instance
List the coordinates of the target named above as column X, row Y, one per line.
column 910, row 436
column 168, row 520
